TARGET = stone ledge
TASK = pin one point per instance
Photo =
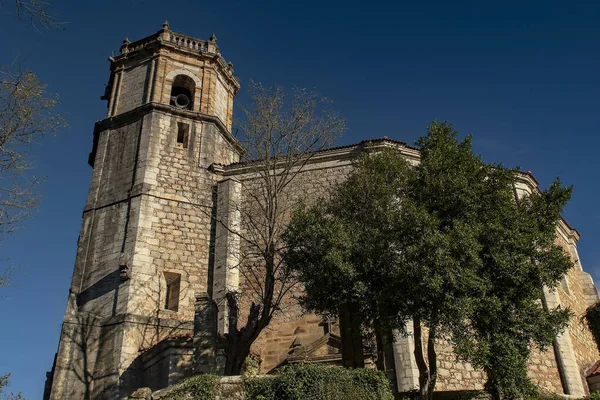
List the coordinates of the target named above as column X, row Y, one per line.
column 132, row 318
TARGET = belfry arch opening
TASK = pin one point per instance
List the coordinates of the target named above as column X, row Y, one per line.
column 182, row 92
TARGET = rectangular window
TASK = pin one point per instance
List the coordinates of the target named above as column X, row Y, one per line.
column 183, row 130
column 172, row 293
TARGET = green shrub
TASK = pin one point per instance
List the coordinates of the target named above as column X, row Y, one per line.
column 592, row 316
column 312, row 382
column 552, row 396
column 197, row 387
column 543, row 395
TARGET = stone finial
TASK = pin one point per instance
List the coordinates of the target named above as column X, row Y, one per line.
column 213, row 38
column 125, row 46
column 166, row 26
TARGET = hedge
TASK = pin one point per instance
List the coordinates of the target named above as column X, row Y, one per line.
column 312, row 382
column 197, row 387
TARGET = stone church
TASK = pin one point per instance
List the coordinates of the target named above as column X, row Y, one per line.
column 152, row 265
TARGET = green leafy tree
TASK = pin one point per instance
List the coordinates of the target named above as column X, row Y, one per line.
column 444, row 243
column 511, row 256
column 372, row 245
column 518, row 259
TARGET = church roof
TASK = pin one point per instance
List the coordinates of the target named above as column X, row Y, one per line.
column 595, row 370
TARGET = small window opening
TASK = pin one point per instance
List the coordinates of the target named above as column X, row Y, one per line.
column 183, row 131
column 182, row 92
column 172, row 293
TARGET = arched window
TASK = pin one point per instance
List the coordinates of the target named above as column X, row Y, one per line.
column 182, row 92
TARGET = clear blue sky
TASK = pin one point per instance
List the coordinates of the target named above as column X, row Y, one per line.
column 522, row 77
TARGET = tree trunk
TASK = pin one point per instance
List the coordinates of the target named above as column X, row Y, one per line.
column 350, row 329
column 236, row 354
column 491, row 385
column 385, row 354
column 420, row 360
column 238, row 341
column 380, row 342
column 432, row 359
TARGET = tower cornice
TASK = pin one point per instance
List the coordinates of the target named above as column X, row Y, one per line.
column 136, row 113
column 206, row 50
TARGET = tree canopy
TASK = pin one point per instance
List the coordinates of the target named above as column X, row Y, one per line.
column 445, row 243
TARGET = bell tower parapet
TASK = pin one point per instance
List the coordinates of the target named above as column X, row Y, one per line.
column 175, row 69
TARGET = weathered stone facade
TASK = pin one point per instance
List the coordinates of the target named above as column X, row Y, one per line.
column 158, row 244
column 148, row 220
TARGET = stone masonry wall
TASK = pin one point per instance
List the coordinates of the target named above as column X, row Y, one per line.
column 96, row 273
column 154, row 204
column 213, row 96
column 88, row 344
column 148, row 77
column 133, row 87
column 578, row 292
column 454, row 374
column 172, row 232
column 221, row 100
column 274, row 344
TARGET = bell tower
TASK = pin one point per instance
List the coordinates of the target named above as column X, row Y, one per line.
column 143, row 257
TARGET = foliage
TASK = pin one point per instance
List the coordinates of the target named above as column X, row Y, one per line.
column 336, row 247
column 593, row 396
column 392, row 239
column 445, row 243
column 509, row 248
column 196, row 387
column 518, row 260
column 592, row 317
column 252, row 364
column 551, row 396
column 309, row 381
column 4, row 382
column 280, row 132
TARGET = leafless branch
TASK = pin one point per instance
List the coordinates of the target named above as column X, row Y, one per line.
column 26, row 115
column 280, row 132
column 37, row 12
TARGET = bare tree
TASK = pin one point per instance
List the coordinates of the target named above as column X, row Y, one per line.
column 26, row 115
column 4, row 382
column 281, row 133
